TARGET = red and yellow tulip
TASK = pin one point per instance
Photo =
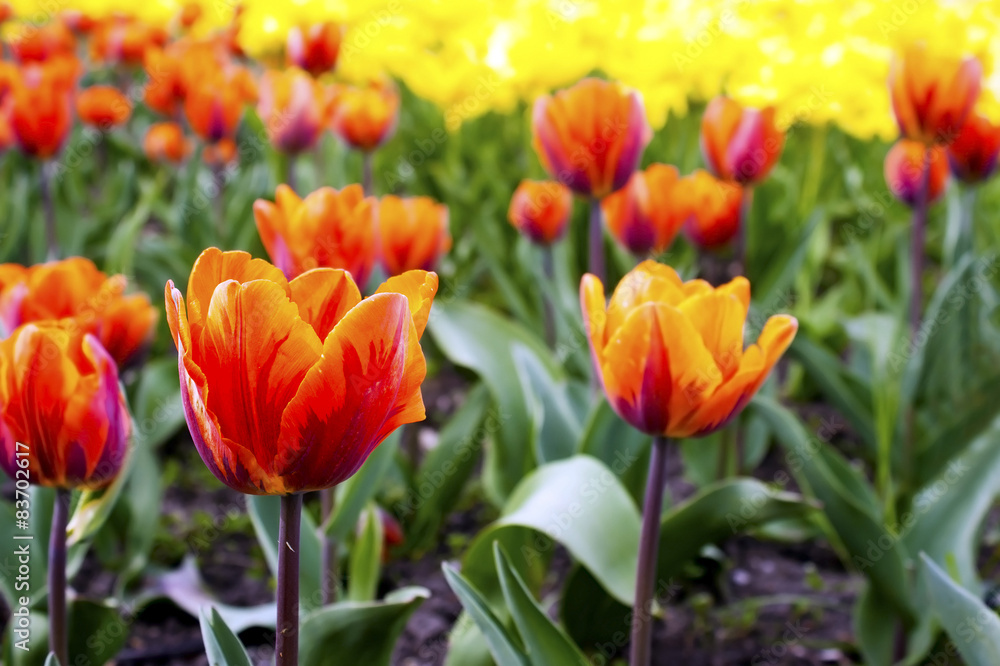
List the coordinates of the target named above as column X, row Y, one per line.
column 165, row 142
column 740, row 144
column 906, row 166
column 60, row 399
column 933, row 94
column 540, row 209
column 103, row 107
column 314, row 48
column 293, row 108
column 214, row 103
column 41, row 111
column 412, row 233
column 327, row 229
column 670, row 354
column 591, row 137
column 643, row 216
column 289, row 386
column 710, row 208
column 365, row 118
column 973, row 154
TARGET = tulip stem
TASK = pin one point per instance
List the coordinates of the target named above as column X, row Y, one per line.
column 220, row 202
column 548, row 268
column 917, row 248
column 596, row 241
column 290, row 171
column 286, row 643
column 742, row 235
column 328, row 563
column 49, row 211
column 58, row 636
column 649, row 540
column 367, row 173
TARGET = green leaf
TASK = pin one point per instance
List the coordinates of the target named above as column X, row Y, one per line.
column 144, row 490
column 366, row 558
column 556, row 407
column 505, row 647
column 475, row 337
column 618, row 445
column 357, row 632
column 157, row 403
column 547, row 644
column 97, row 631
column 222, row 646
column 591, row 615
column 577, row 502
column 52, row 660
column 264, row 512
column 972, row 627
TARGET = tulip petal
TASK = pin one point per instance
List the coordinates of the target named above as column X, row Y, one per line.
column 719, row 317
column 419, row 288
column 255, row 350
column 324, row 296
column 366, row 384
column 595, row 316
column 213, row 268
column 649, row 281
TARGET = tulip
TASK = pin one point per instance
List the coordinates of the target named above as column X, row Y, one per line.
column 165, row 142
column 41, row 115
column 41, row 43
column 81, row 298
column 63, row 424
column 364, row 119
column 190, row 14
column 327, row 229
column 740, row 144
column 709, row 208
column 289, row 387
column 220, row 154
column 590, row 137
column 412, row 233
column 671, row 358
column 164, row 90
column 6, row 12
column 124, row 40
column 103, row 107
column 293, row 108
column 906, row 171
column 77, row 22
column 540, row 210
column 214, row 103
column 643, row 215
column 973, row 154
column 932, row 95
column 314, row 48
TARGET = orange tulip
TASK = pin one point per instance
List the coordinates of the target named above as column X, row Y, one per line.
column 710, row 209
column 220, row 154
column 6, row 12
column 63, row 419
column 905, row 171
column 327, row 229
column 412, row 233
column 293, row 108
column 973, row 154
column 164, row 90
column 78, row 296
column 540, row 210
column 41, row 111
column 124, row 40
column 365, row 118
column 670, row 354
column 214, row 104
column 77, row 22
column 932, row 95
column 643, row 215
column 289, row 387
column 40, row 43
column 191, row 12
column 314, row 48
column 165, row 142
column 740, row 144
column 590, row 137
column 103, row 107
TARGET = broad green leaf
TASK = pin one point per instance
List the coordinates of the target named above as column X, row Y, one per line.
column 546, row 643
column 351, row 632
column 556, row 407
column 972, row 627
column 592, row 617
column 222, row 647
column 264, row 512
column 875, row 625
column 506, row 649
column 97, row 631
column 366, row 558
column 618, row 445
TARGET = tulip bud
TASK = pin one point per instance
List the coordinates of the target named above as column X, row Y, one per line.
column 906, row 167
column 103, row 107
column 740, row 144
column 973, row 154
column 643, row 216
column 412, row 233
column 540, row 210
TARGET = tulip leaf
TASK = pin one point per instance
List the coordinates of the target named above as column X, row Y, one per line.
column 445, row 470
column 366, row 558
column 357, row 491
column 96, row 633
column 545, row 642
column 52, row 659
column 264, row 512
column 867, row 543
column 156, row 404
column 592, row 616
column 144, row 490
column 972, row 627
column 351, row 632
column 222, row 647
column 557, row 408
column 717, row 512
column 473, row 336
column 505, row 648
column 618, row 445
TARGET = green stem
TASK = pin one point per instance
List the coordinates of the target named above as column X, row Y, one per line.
column 596, row 241
column 368, row 173
column 49, row 210
column 286, row 642
column 917, row 238
column 548, row 269
column 649, row 540
column 58, row 636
